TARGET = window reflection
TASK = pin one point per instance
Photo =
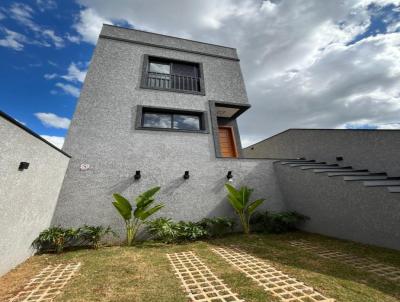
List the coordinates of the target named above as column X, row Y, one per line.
column 157, row 120
column 186, row 122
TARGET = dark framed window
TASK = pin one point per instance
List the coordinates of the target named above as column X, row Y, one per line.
column 172, row 75
column 153, row 118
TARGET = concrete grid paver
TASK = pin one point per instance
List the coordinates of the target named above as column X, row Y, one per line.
column 198, row 281
column 362, row 263
column 273, row 281
column 47, row 284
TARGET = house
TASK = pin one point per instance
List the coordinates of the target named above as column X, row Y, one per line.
column 153, row 108
column 157, row 110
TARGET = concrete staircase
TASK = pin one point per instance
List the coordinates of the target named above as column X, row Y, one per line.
column 368, row 179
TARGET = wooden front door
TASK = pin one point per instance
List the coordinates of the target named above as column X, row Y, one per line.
column 227, row 142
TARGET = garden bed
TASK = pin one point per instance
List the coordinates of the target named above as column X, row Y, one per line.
column 143, row 272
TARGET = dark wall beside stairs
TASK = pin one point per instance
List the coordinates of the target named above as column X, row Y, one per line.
column 376, row 150
column 342, row 209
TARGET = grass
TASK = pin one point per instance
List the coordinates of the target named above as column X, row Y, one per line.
column 143, row 273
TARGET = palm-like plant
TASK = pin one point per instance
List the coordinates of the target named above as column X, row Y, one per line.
column 134, row 218
column 240, row 201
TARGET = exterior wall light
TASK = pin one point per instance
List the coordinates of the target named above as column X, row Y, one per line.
column 23, row 165
column 186, row 175
column 137, row 175
column 229, row 176
column 339, row 158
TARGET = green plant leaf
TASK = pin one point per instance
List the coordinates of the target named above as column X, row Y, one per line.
column 144, row 215
column 123, row 206
column 146, row 196
column 253, row 205
column 236, row 204
column 234, row 198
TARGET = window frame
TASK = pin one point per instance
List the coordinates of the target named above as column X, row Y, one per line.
column 140, row 110
column 145, row 70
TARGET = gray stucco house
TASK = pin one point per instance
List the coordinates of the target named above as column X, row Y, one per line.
column 158, row 106
column 161, row 111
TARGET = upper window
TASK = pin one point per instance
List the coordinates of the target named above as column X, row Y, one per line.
column 164, row 74
column 162, row 118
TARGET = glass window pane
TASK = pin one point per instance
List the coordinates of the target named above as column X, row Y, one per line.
column 156, row 120
column 160, row 67
column 186, row 122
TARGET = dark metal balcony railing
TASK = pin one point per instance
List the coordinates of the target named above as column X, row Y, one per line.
column 172, row 81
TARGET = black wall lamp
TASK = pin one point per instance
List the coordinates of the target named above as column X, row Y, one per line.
column 339, row 158
column 137, row 175
column 229, row 176
column 186, row 175
column 23, row 165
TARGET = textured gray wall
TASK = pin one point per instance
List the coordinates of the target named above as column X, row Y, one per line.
column 27, row 198
column 103, row 135
column 342, row 209
column 376, row 150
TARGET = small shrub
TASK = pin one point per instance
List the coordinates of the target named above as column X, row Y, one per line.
column 277, row 223
column 217, row 226
column 92, row 235
column 54, row 239
column 169, row 231
column 163, row 229
column 190, row 231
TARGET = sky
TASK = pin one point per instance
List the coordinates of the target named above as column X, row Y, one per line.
column 306, row 63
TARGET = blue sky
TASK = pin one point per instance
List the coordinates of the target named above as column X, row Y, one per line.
column 24, row 90
column 306, row 63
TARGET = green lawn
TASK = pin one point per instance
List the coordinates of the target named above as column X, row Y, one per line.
column 143, row 273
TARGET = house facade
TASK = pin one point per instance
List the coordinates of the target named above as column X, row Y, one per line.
column 153, row 108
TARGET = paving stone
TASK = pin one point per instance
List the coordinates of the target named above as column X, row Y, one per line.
column 47, row 284
column 363, row 263
column 273, row 281
column 198, row 281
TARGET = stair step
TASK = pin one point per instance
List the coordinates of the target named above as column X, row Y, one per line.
column 394, row 189
column 288, row 162
column 310, row 164
column 366, row 177
column 338, row 170
column 383, row 183
column 353, row 173
column 350, row 173
column 327, row 167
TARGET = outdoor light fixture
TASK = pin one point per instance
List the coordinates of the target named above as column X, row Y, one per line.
column 137, row 175
column 23, row 165
column 229, row 176
column 339, row 158
column 186, row 175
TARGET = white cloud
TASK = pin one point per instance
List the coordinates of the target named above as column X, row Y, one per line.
column 53, row 120
column 389, row 126
column 44, row 5
column 300, row 60
column 57, row 41
column 73, row 39
column 57, row 141
column 50, row 76
column 89, row 25
column 75, row 74
column 2, row 16
column 42, row 36
column 12, row 39
column 69, row 89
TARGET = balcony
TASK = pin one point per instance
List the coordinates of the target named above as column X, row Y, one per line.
column 173, row 82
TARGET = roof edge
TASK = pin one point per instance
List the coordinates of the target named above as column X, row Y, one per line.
column 168, row 36
column 26, row 129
